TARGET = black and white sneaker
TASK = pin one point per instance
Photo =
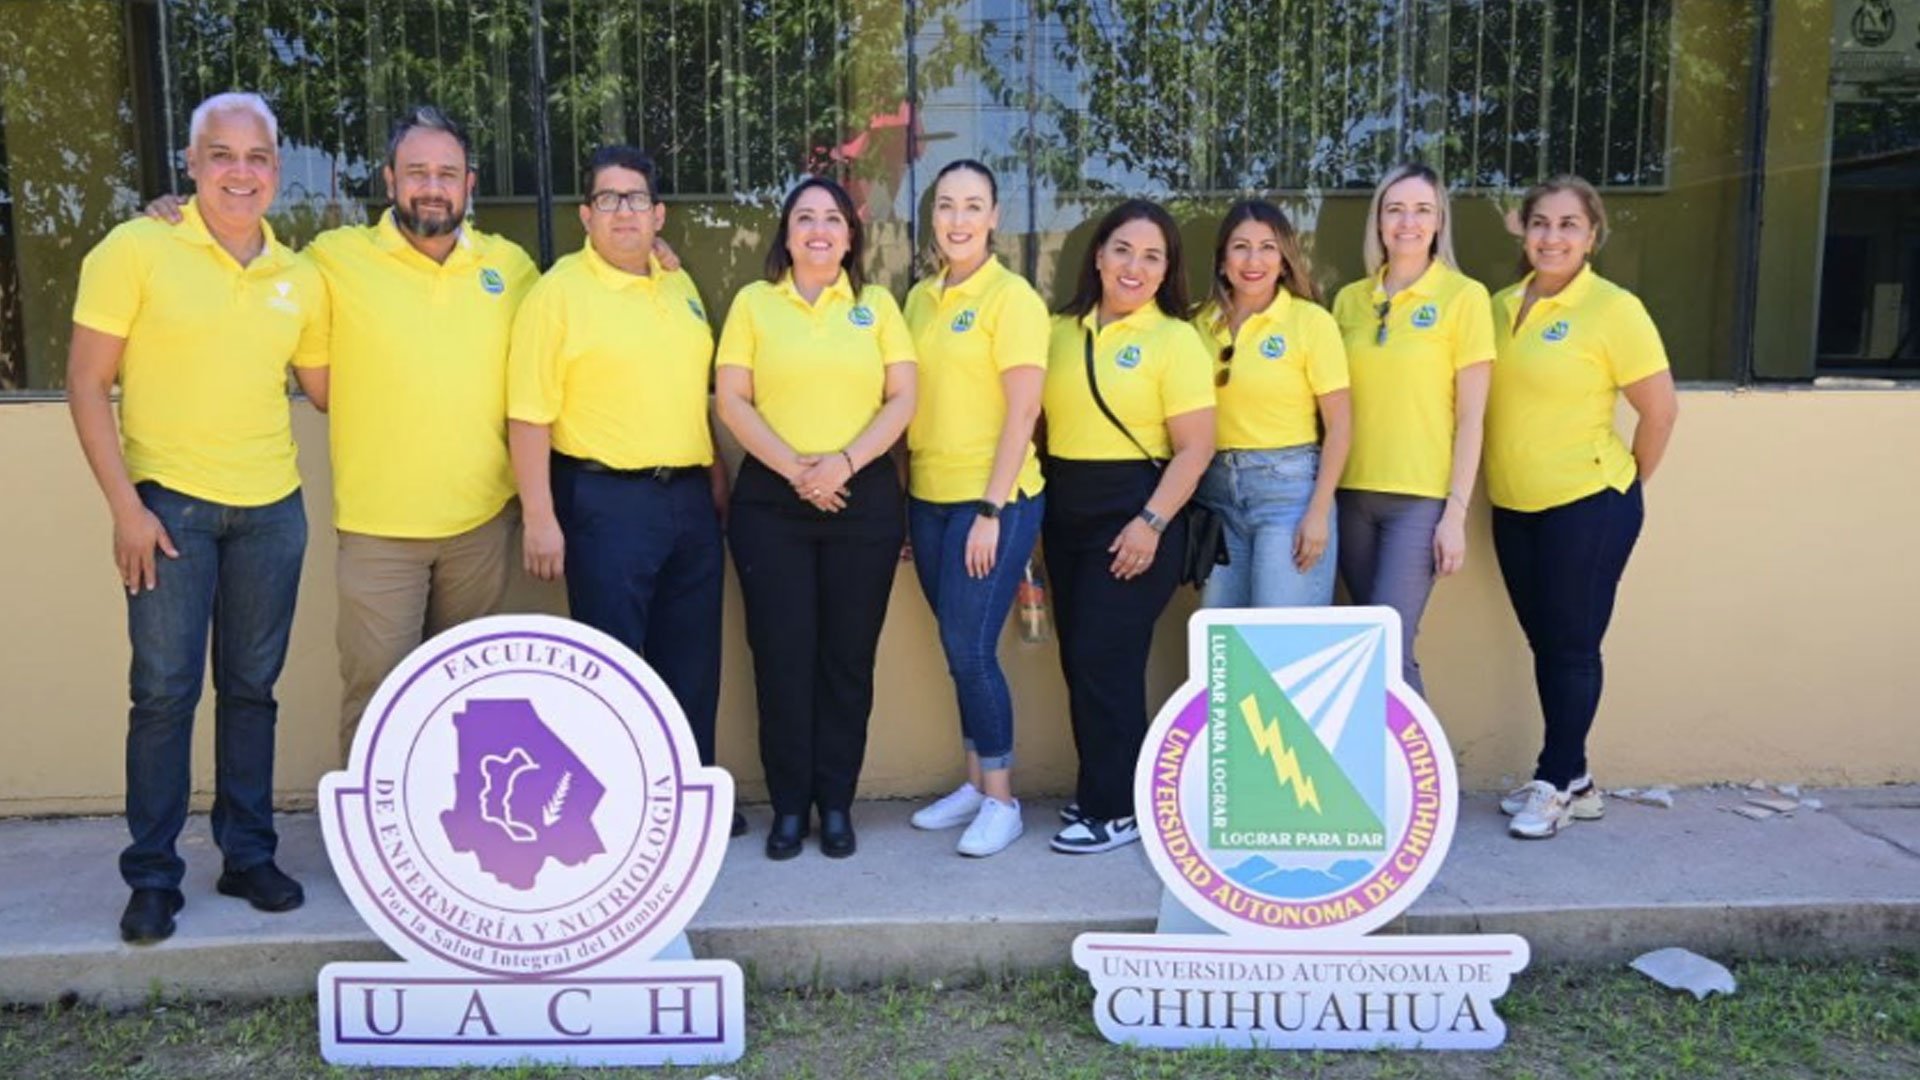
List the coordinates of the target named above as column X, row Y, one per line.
column 1087, row 835
column 1070, row 813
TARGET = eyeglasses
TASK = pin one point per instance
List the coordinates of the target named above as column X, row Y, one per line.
column 1225, row 374
column 612, row 202
column 1382, row 309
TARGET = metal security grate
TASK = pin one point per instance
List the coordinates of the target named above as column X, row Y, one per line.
column 1214, row 95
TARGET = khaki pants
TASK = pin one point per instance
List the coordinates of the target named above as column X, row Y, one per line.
column 394, row 594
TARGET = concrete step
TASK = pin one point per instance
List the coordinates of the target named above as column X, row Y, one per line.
column 1844, row 880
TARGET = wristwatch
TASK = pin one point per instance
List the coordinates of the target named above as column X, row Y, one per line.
column 986, row 509
column 1154, row 521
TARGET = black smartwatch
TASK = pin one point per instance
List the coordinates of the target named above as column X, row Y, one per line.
column 985, row 509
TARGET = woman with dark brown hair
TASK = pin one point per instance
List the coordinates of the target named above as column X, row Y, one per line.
column 815, row 377
column 1280, row 376
column 1129, row 410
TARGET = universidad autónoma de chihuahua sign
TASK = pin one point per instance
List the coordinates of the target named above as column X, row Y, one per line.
column 1294, row 795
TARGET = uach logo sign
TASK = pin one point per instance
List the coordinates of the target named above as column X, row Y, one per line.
column 525, row 821
column 1295, row 794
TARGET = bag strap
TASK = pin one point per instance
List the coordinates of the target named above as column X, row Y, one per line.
column 1093, row 384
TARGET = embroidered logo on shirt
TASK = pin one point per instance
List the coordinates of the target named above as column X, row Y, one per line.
column 861, row 315
column 1426, row 316
column 963, row 322
column 1556, row 332
column 1129, row 357
column 1274, row 347
column 282, row 299
column 698, row 311
column 491, row 281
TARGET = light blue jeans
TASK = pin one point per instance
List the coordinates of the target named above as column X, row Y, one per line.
column 1261, row 495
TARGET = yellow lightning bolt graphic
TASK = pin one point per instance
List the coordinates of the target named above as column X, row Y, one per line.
column 1286, row 767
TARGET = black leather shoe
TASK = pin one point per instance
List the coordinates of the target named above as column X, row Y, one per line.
column 263, row 886
column 739, row 824
column 783, row 840
column 149, row 915
column 836, row 834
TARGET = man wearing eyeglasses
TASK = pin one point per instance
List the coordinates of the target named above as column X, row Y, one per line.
column 607, row 417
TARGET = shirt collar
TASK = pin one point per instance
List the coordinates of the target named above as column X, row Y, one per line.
column 614, row 277
column 1427, row 284
column 1572, row 296
column 193, row 230
column 1140, row 318
column 977, row 283
column 389, row 238
column 841, row 287
column 1211, row 317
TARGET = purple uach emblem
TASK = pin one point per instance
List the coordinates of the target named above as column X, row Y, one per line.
column 520, row 796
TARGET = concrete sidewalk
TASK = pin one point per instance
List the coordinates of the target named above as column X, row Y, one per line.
column 1843, row 880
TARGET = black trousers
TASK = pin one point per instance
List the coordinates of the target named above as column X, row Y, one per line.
column 645, row 564
column 1562, row 567
column 1105, row 624
column 816, row 587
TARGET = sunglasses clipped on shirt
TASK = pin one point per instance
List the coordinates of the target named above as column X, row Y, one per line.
column 1382, row 309
column 1225, row 374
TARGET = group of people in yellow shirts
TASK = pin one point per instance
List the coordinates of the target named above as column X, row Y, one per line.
column 456, row 377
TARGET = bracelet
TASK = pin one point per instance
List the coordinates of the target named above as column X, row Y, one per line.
column 851, row 469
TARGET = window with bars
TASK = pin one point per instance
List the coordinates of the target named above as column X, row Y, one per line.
column 732, row 96
column 1221, row 95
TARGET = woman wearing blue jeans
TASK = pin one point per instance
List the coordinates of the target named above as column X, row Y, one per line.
column 974, row 504
column 1281, row 373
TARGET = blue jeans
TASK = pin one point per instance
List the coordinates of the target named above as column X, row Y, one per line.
column 237, row 576
column 1261, row 495
column 1562, row 568
column 971, row 611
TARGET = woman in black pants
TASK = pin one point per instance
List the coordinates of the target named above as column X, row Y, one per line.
column 1566, row 489
column 815, row 376
column 1129, row 412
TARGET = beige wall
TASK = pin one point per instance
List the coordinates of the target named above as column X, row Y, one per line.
column 1765, row 628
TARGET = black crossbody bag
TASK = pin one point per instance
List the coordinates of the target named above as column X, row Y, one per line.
column 1206, row 547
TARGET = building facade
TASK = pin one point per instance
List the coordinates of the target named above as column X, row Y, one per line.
column 1760, row 159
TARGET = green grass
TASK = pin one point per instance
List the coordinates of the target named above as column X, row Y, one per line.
column 1790, row 1020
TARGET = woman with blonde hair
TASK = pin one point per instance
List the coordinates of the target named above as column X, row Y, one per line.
column 1419, row 337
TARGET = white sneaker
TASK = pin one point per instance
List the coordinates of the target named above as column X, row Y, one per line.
column 952, row 810
column 1089, row 835
column 997, row 825
column 1584, row 801
column 1547, row 809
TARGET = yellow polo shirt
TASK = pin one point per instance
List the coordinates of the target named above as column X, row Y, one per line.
column 618, row 363
column 418, row 351
column 1550, row 433
column 819, row 369
column 965, row 338
column 1284, row 358
column 203, row 379
column 1150, row 367
column 1403, row 391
